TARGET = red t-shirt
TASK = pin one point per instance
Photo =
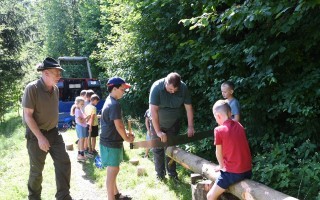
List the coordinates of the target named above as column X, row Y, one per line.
column 235, row 148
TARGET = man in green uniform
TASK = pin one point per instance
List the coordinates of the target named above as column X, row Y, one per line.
column 40, row 113
column 167, row 96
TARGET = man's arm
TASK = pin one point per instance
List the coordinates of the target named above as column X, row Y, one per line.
column 122, row 131
column 189, row 111
column 155, row 122
column 42, row 141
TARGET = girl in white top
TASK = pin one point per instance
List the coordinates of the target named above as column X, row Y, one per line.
column 81, row 125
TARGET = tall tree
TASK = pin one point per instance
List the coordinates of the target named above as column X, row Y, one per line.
column 61, row 31
column 90, row 31
column 14, row 31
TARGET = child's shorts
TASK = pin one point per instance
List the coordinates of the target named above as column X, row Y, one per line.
column 111, row 156
column 227, row 178
column 87, row 132
column 94, row 131
column 81, row 131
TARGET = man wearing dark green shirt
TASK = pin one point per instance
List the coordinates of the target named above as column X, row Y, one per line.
column 41, row 114
column 167, row 96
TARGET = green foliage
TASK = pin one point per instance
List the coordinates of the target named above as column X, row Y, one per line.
column 289, row 166
column 268, row 49
column 90, row 30
column 14, row 31
column 61, row 33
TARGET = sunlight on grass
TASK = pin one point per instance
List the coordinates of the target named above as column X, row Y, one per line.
column 14, row 163
column 139, row 187
column 14, row 170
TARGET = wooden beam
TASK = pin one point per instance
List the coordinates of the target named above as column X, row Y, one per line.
column 246, row 189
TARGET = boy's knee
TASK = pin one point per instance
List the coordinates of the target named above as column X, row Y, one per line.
column 215, row 192
column 210, row 195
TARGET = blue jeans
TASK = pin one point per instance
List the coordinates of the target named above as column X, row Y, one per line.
column 160, row 160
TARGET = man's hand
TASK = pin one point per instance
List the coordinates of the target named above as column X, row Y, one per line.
column 190, row 131
column 162, row 136
column 43, row 143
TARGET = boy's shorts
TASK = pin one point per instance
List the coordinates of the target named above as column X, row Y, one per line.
column 94, row 131
column 227, row 178
column 111, row 156
column 81, row 131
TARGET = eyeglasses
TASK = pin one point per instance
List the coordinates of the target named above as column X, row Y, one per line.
column 55, row 73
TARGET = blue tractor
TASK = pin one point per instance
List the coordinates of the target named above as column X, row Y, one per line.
column 76, row 77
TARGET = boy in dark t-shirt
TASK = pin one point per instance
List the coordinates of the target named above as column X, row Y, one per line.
column 113, row 134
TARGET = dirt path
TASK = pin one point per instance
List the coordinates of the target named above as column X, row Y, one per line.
column 82, row 188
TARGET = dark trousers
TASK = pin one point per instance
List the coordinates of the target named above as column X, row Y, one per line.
column 37, row 159
column 161, row 161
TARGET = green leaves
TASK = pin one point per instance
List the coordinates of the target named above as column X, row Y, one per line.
column 14, row 32
column 269, row 49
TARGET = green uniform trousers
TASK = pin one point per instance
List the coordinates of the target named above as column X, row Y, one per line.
column 61, row 163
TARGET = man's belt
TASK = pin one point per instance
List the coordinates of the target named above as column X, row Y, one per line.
column 172, row 140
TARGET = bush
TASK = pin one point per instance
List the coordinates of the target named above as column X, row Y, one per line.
column 288, row 166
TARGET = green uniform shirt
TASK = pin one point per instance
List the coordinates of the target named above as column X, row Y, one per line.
column 169, row 104
column 45, row 104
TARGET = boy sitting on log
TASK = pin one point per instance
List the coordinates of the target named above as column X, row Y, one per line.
column 232, row 150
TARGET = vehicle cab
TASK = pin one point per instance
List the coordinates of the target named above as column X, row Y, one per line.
column 76, row 77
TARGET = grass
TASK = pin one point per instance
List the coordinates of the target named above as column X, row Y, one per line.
column 14, row 163
column 14, row 169
column 141, row 187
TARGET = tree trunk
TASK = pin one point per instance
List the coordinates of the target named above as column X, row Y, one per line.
column 246, row 189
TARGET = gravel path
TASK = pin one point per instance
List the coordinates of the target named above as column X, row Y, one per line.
column 82, row 188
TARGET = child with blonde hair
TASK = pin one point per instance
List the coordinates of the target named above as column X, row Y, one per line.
column 81, row 125
column 227, row 90
column 232, row 150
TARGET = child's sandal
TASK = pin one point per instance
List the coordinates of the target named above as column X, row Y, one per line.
column 122, row 197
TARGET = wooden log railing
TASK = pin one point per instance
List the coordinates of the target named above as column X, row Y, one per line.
column 246, row 189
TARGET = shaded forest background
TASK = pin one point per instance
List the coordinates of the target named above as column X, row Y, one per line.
column 269, row 49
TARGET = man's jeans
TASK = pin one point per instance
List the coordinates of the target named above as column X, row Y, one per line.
column 161, row 161
column 37, row 158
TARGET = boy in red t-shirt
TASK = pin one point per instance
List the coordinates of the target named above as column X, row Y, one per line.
column 232, row 150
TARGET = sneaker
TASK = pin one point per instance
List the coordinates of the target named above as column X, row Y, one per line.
column 81, row 158
column 89, row 155
column 95, row 152
column 123, row 197
column 161, row 178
